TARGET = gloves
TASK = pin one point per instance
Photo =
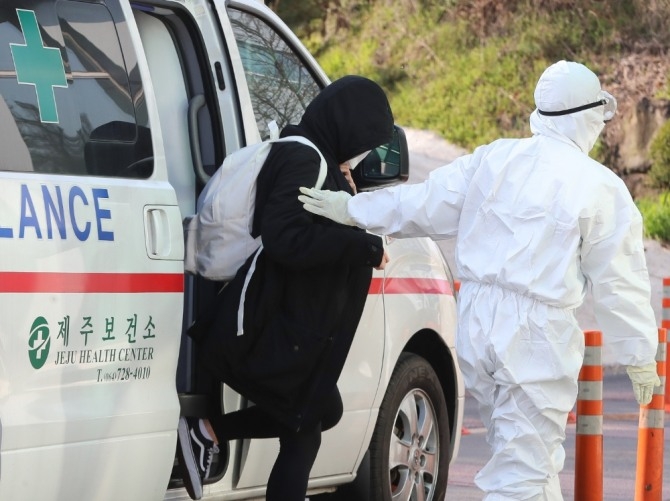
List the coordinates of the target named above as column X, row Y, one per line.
column 330, row 204
column 644, row 380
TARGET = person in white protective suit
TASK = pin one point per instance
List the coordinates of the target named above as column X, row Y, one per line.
column 537, row 222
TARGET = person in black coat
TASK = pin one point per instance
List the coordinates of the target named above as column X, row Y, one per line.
column 304, row 294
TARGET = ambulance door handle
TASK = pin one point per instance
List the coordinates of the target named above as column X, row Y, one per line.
column 164, row 232
column 196, row 103
column 157, row 233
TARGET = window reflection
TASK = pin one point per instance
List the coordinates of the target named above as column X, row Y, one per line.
column 280, row 84
column 96, row 130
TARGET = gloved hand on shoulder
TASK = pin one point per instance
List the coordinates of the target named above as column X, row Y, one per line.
column 644, row 379
column 330, row 204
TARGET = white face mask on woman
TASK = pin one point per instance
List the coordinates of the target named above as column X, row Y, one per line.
column 357, row 159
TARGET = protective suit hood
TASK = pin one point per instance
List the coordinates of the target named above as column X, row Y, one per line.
column 348, row 117
column 571, row 88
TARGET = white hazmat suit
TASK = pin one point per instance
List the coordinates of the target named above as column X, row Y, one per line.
column 536, row 221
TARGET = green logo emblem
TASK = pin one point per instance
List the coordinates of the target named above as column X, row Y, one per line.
column 39, row 66
column 39, row 343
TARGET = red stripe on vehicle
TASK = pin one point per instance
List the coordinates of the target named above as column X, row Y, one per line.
column 45, row 282
column 394, row 285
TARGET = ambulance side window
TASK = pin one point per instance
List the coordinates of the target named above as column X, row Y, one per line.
column 280, row 84
column 71, row 94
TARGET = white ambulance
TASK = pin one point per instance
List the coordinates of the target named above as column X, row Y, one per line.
column 113, row 115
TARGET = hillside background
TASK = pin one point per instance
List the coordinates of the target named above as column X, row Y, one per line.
column 466, row 70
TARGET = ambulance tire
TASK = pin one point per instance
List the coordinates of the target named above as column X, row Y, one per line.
column 414, row 393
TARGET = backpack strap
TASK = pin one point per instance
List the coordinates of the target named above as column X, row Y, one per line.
column 274, row 130
column 323, row 168
column 243, row 294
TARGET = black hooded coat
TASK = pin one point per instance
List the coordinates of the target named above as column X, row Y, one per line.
column 307, row 291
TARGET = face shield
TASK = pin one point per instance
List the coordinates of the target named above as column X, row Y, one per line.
column 604, row 99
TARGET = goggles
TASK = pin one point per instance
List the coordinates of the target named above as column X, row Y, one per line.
column 605, row 99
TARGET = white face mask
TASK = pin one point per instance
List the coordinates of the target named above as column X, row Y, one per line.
column 357, row 159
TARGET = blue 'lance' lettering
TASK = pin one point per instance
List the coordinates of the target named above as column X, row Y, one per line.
column 56, row 219
column 39, row 66
column 77, row 192
column 28, row 215
column 101, row 214
column 57, row 214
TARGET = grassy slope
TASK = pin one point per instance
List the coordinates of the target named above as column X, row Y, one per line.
column 467, row 69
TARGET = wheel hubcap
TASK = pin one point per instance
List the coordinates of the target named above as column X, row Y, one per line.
column 414, row 449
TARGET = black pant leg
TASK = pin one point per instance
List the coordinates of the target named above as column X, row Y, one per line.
column 297, row 450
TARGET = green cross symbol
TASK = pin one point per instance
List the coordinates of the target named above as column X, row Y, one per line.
column 38, row 65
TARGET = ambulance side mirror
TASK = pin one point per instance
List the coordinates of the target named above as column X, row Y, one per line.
column 386, row 165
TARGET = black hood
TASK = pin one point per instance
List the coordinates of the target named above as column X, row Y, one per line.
column 348, row 117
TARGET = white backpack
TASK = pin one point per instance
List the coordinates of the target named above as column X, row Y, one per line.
column 218, row 237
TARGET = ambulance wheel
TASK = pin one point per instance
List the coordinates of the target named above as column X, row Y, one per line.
column 409, row 451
